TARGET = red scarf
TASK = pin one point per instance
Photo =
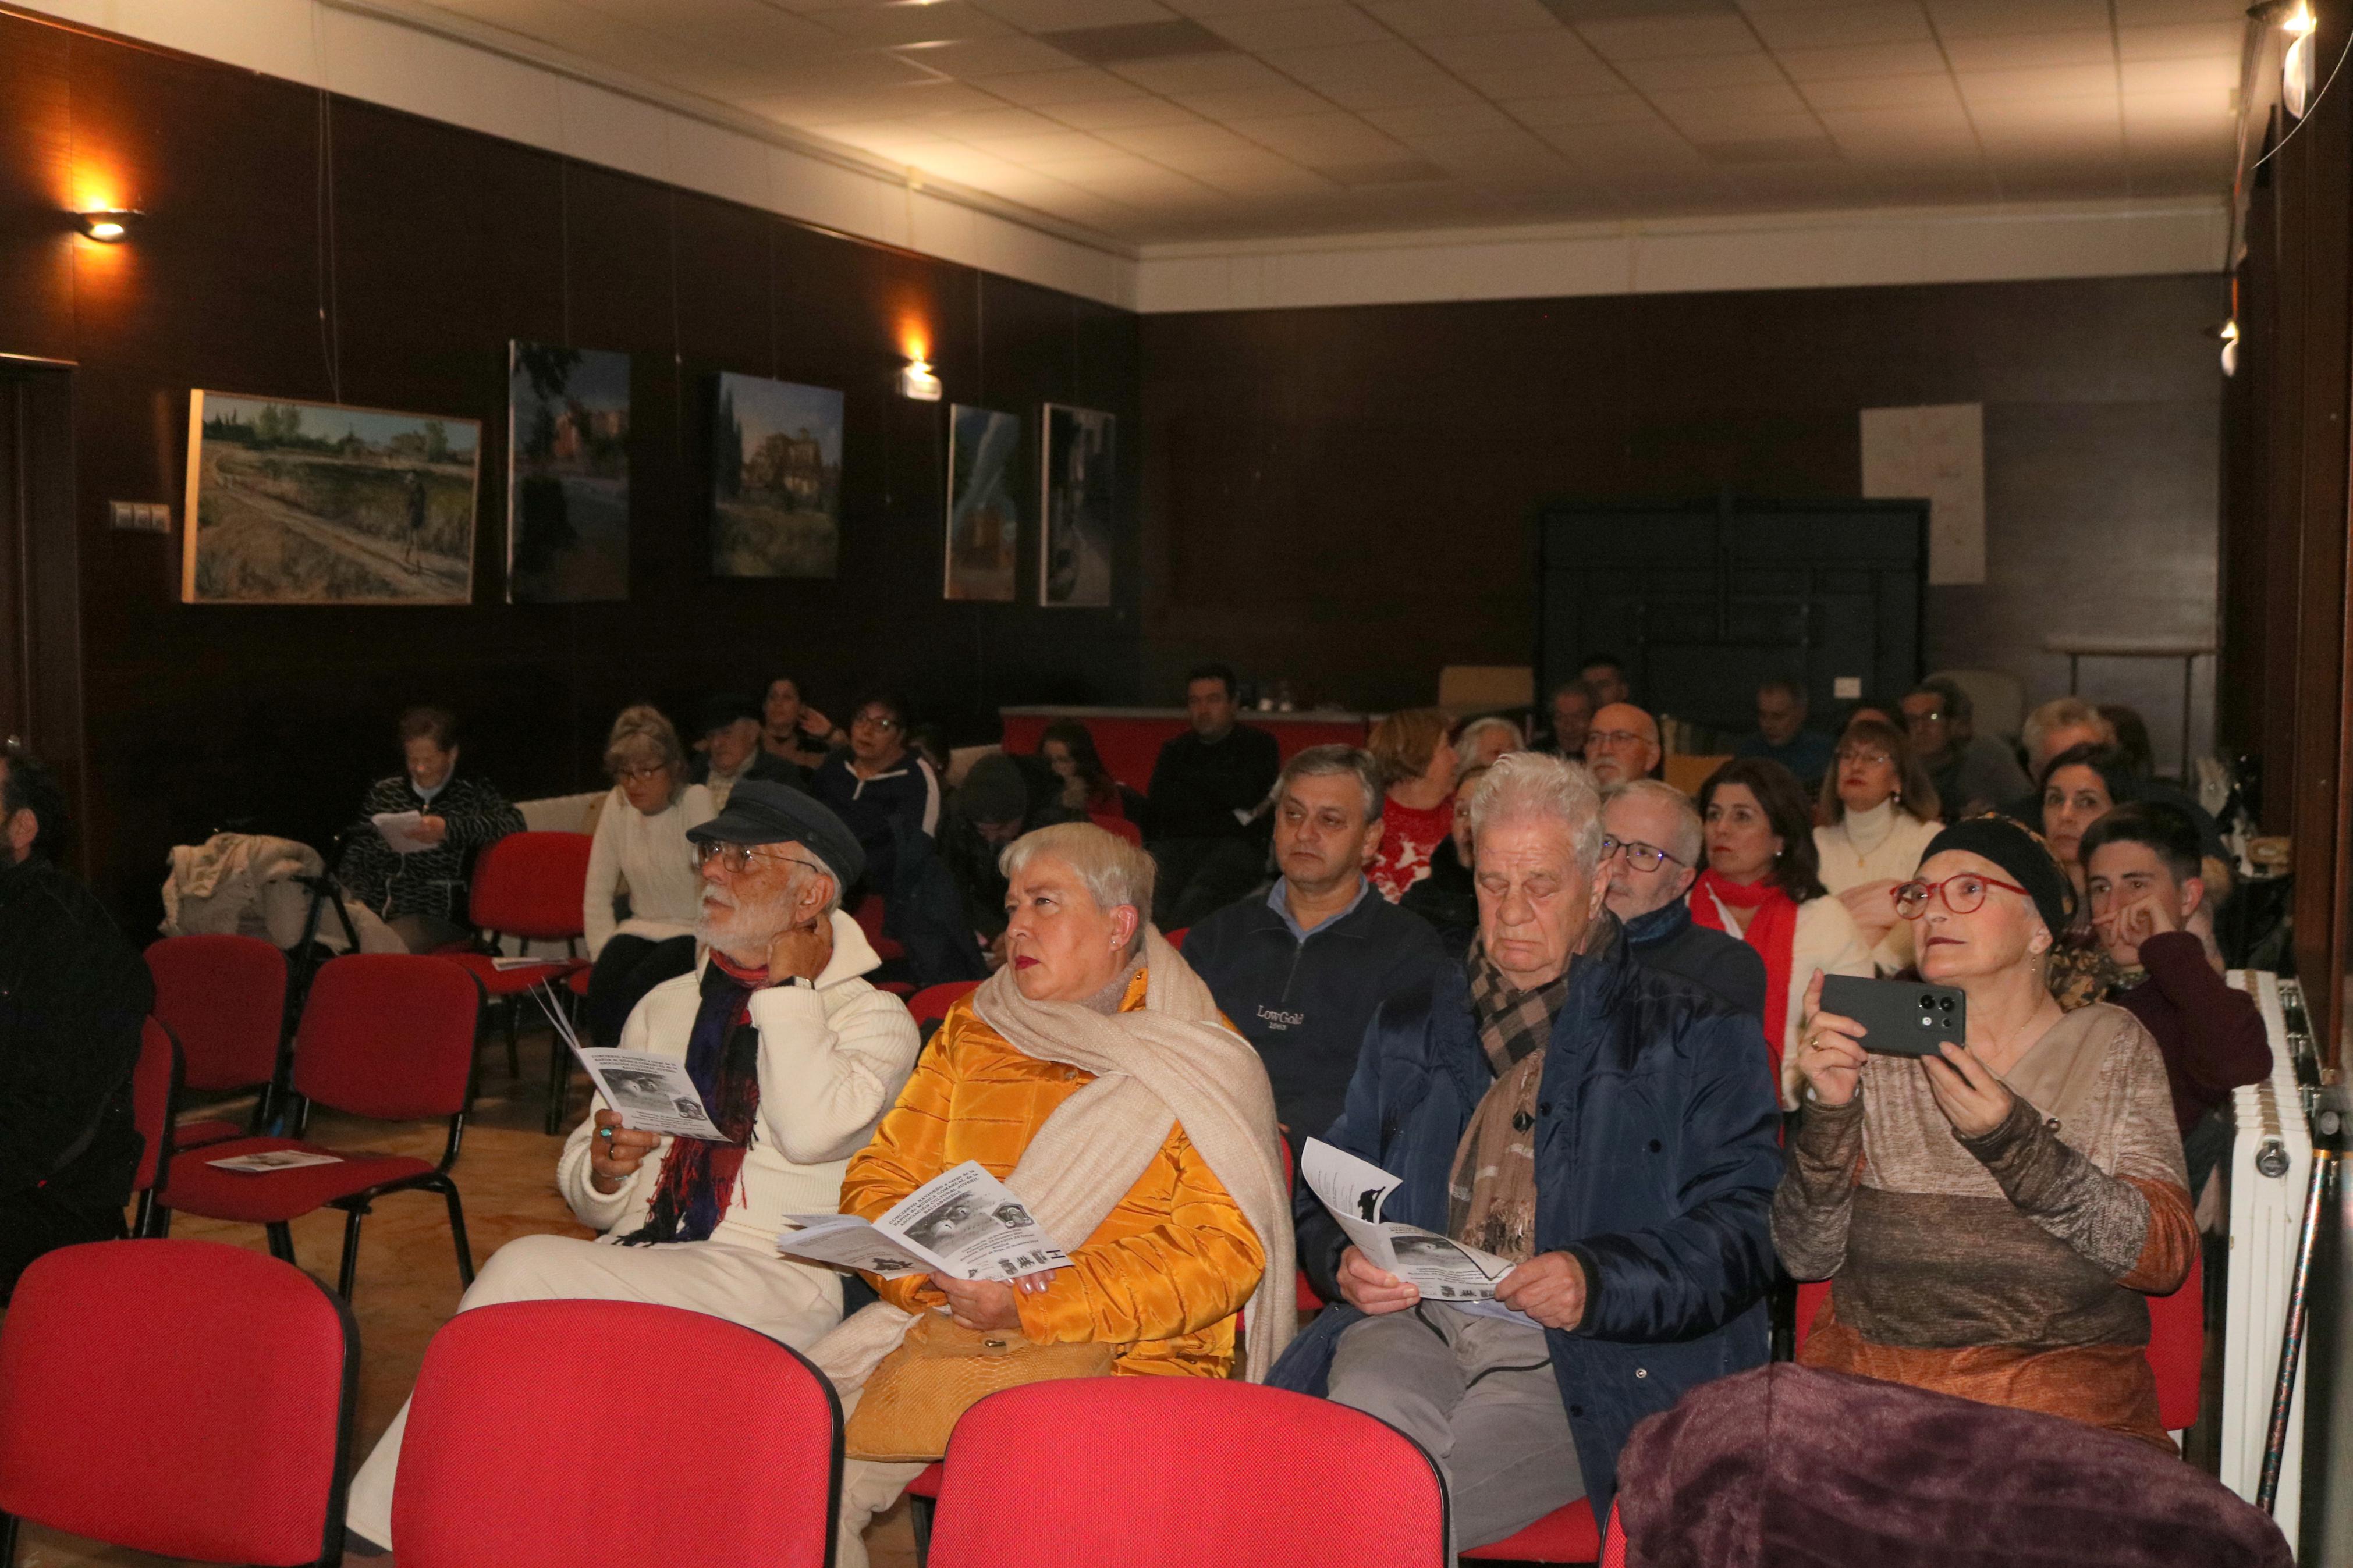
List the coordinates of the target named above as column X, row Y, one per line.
column 1772, row 931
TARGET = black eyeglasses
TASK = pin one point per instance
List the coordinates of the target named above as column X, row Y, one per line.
column 1641, row 856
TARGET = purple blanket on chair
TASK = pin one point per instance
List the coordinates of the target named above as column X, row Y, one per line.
column 1787, row 1467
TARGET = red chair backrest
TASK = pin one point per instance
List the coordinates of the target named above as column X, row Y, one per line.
column 532, row 885
column 933, row 1002
column 224, row 997
column 2177, row 1348
column 388, row 1035
column 154, row 1085
column 1177, row 937
column 1113, row 822
column 186, row 1398
column 1613, row 1541
column 2176, row 1342
column 490, row 1469
column 1174, row 1472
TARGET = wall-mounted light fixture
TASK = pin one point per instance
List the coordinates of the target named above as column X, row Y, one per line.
column 108, row 226
column 916, row 381
column 2230, row 336
column 2296, row 65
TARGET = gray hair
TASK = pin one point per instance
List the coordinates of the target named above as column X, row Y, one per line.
column 1115, row 872
column 832, row 880
column 1480, row 726
column 1334, row 761
column 642, row 732
column 1691, row 833
column 1529, row 784
column 2064, row 713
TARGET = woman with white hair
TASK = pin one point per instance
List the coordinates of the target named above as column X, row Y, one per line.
column 1481, row 741
column 1095, row 1050
column 641, row 853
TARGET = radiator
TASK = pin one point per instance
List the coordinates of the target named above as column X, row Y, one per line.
column 2271, row 1162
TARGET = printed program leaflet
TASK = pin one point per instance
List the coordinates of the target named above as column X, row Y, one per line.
column 652, row 1094
column 1442, row 1268
column 963, row 1222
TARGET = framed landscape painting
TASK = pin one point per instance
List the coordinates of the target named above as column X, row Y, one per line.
column 984, row 507
column 1076, row 501
column 775, row 478
column 319, row 503
column 567, row 475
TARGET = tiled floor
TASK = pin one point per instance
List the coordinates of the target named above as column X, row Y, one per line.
column 407, row 1283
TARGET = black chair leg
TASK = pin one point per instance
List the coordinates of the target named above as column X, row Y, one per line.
column 918, row 1514
column 159, row 1224
column 351, row 1270
column 458, row 1233
column 8, row 1540
column 143, row 1216
column 515, row 1025
column 281, row 1242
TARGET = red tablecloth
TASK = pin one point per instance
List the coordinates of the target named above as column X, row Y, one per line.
column 1129, row 739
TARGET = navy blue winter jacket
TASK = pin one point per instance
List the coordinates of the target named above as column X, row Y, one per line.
column 1656, row 1159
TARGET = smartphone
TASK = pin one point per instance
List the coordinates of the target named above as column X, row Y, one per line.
column 1900, row 1017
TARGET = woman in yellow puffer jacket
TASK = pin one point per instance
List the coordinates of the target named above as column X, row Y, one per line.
column 1159, row 1280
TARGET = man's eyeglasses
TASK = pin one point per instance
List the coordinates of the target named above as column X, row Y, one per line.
column 875, row 721
column 1964, row 894
column 1610, row 740
column 1641, row 856
column 738, row 858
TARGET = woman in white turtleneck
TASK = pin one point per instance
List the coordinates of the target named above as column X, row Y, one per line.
column 1880, row 811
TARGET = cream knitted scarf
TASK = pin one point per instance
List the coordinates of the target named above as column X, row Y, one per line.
column 1171, row 1062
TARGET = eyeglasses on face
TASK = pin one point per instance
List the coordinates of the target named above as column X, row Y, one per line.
column 737, row 857
column 644, row 773
column 1964, row 894
column 1641, row 856
column 1610, row 740
column 875, row 721
column 1869, row 759
column 1933, row 716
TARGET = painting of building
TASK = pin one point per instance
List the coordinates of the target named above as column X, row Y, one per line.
column 568, row 474
column 775, row 478
column 984, row 506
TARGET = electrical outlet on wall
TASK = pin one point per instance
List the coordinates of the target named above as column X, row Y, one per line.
column 140, row 516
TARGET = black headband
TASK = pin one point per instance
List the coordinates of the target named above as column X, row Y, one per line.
column 2018, row 852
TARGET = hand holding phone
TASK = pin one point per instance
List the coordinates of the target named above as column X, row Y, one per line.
column 1899, row 1017
column 1830, row 1049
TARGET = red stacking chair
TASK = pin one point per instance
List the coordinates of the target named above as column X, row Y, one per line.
column 224, row 999
column 533, row 887
column 1111, row 823
column 490, row 1470
column 387, row 1035
column 2176, row 1342
column 155, row 1089
column 868, row 914
column 177, row 1397
column 1172, row 1473
column 1567, row 1534
column 932, row 1002
column 1177, row 938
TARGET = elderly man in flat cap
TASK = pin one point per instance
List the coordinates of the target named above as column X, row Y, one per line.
column 796, row 1057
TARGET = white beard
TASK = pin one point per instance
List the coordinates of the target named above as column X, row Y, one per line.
column 743, row 931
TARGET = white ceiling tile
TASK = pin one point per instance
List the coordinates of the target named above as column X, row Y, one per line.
column 1709, row 103
column 1254, row 103
column 1880, row 91
column 972, row 57
column 2055, row 83
column 1657, row 37
column 1442, row 119
column 1917, row 57
column 1582, row 108
column 1046, row 16
column 1207, row 8
column 2027, row 51
column 1316, row 138
column 880, row 25
column 1506, row 83
column 1556, row 48
column 1686, row 72
column 1485, row 154
column 1163, row 142
column 1303, row 27
column 2213, row 75
column 1714, row 129
column 976, row 124
column 1037, row 90
column 1967, row 18
column 1845, row 26
column 2165, row 12
column 1043, row 150
column 1200, row 73
column 1115, row 113
column 2213, row 40
column 1458, row 18
column 2203, row 110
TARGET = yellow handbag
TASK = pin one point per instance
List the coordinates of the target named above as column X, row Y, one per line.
column 914, row 1397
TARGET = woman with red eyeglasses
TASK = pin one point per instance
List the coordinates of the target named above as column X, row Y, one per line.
column 1991, row 1219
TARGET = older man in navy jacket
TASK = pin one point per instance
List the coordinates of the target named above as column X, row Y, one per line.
column 1607, row 1128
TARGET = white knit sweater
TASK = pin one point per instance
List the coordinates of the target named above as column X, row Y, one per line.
column 653, row 854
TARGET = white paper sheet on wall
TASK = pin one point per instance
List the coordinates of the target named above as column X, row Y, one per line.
column 1936, row 451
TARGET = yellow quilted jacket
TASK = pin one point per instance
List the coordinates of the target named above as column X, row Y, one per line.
column 1159, row 1280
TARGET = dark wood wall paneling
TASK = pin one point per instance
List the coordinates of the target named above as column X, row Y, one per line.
column 1342, row 497
column 2287, row 625
column 446, row 244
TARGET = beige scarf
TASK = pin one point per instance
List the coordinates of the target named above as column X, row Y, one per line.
column 1171, row 1062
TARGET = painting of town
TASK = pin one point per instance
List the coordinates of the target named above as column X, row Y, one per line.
column 984, row 515
column 1074, row 544
column 775, row 478
column 567, row 475
column 316, row 503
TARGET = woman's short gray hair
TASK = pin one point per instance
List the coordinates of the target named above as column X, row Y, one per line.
column 1116, row 872
column 1530, row 785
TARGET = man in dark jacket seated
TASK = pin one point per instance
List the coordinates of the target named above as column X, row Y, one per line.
column 72, row 996
column 1300, row 971
column 1607, row 1128
column 1651, row 849
column 1201, row 818
column 728, row 750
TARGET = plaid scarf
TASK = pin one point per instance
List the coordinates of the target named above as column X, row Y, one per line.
column 723, row 1057
column 1492, row 1192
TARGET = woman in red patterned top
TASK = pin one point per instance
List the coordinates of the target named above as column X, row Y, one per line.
column 1414, row 755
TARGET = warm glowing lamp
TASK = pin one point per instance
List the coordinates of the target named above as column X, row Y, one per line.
column 2230, row 336
column 2295, row 66
column 916, row 381
column 108, row 226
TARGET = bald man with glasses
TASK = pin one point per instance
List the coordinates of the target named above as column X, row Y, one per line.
column 1652, row 850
